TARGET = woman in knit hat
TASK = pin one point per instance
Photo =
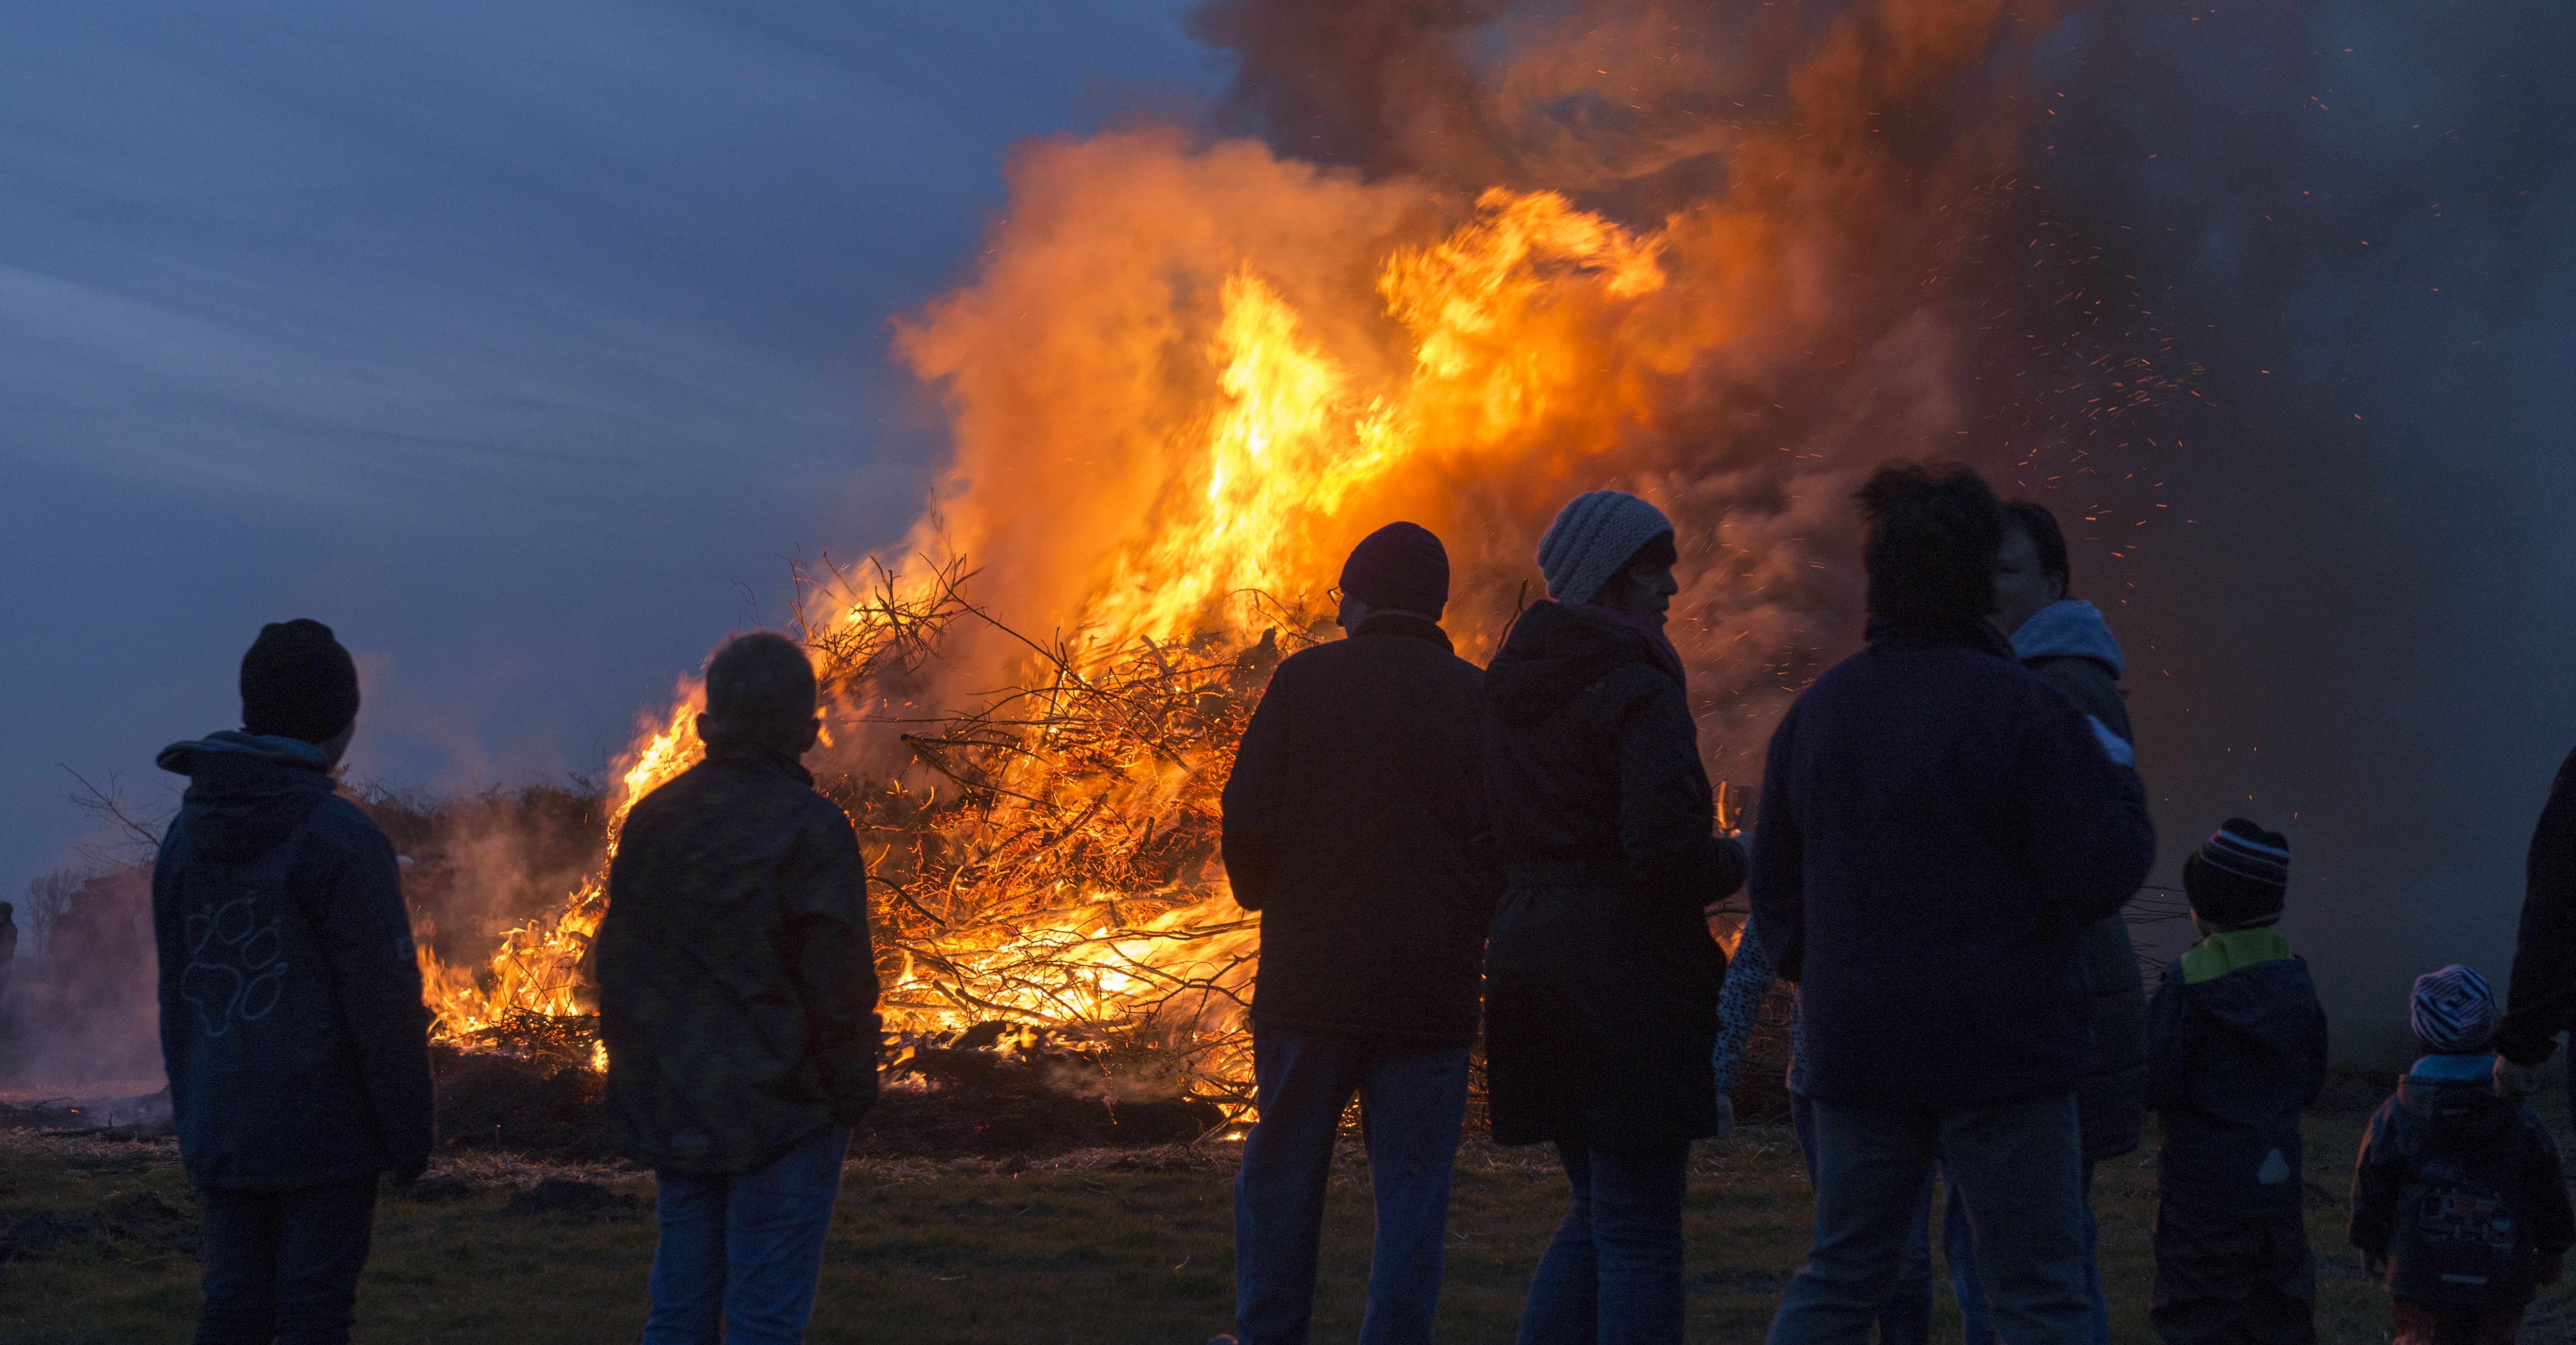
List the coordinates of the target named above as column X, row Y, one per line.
column 1601, row 977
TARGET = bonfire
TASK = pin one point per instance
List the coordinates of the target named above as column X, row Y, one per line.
column 1188, row 373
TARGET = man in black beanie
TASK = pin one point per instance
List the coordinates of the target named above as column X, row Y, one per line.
column 1349, row 818
column 291, row 1016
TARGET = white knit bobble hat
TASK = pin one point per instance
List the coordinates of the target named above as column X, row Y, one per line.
column 1593, row 535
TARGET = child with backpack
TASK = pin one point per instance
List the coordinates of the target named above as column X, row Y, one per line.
column 2458, row 1206
column 2236, row 1047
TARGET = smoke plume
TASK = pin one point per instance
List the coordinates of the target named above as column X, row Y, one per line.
column 2265, row 303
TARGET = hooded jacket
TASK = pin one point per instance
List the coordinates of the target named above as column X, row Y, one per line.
column 2069, row 647
column 737, row 980
column 1937, row 827
column 2460, row 1189
column 1601, row 976
column 2236, row 1046
column 2542, row 1002
column 291, row 1017
column 1351, row 820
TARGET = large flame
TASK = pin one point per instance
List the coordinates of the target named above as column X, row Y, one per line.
column 1189, row 374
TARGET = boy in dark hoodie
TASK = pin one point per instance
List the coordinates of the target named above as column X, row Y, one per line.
column 291, row 1017
column 2458, row 1206
column 2236, row 1046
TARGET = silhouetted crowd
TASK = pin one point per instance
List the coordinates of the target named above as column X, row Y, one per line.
column 1949, row 823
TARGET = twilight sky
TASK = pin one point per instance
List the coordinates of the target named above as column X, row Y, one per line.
column 510, row 338
column 503, row 337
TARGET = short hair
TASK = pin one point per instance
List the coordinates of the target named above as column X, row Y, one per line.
column 1934, row 529
column 2046, row 538
column 760, row 686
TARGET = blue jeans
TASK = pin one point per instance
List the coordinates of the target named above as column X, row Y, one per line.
column 740, row 1254
column 1413, row 1100
column 1959, row 1244
column 1613, row 1272
column 1907, row 1317
column 2021, row 1163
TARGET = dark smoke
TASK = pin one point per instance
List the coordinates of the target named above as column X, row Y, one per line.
column 2272, row 305
column 2359, row 219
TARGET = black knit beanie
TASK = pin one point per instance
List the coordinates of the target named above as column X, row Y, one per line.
column 2239, row 876
column 1402, row 566
column 297, row 682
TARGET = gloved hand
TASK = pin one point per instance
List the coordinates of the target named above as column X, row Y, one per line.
column 2513, row 1080
column 2373, row 1266
column 1725, row 1114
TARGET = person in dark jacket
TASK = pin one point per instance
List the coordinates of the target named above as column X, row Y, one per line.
column 2542, row 998
column 2458, row 1203
column 2064, row 640
column 1937, row 826
column 1602, row 976
column 737, row 999
column 291, row 1017
column 1350, row 819
column 2236, row 1046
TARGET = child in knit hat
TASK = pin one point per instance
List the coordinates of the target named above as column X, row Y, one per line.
column 2236, row 1047
column 2457, row 1202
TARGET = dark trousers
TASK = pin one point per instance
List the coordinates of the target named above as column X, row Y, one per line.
column 2418, row 1324
column 1959, row 1245
column 2233, row 1280
column 283, row 1265
column 2020, row 1168
column 1613, row 1272
column 1907, row 1317
column 1413, row 1101
column 740, row 1256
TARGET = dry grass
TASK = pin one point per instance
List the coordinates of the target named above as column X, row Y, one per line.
column 1107, row 1246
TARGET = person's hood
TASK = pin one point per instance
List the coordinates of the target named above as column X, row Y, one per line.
column 2247, row 1001
column 1553, row 652
column 2461, row 1113
column 2068, row 628
column 247, row 793
column 744, row 754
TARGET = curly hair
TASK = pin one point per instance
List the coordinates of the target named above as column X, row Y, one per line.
column 1934, row 529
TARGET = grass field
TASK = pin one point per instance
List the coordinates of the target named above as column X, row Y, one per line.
column 1107, row 1248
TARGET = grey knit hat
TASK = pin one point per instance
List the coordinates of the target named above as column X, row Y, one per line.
column 1593, row 536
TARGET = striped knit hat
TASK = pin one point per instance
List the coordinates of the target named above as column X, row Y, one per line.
column 2453, row 1012
column 2238, row 878
column 1593, row 537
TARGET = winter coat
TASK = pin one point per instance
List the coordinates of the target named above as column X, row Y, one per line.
column 737, row 982
column 2069, row 647
column 2460, row 1189
column 2542, row 1000
column 291, row 1018
column 1601, row 976
column 1356, row 801
column 1937, row 827
column 2236, row 1045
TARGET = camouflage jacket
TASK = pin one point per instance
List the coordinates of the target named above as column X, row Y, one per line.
column 737, row 984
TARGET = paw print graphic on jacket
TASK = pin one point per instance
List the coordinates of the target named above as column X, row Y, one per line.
column 234, row 973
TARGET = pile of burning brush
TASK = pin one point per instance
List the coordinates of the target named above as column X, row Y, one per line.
column 1052, row 923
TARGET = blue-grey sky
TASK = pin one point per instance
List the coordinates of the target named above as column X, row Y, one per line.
column 503, row 337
